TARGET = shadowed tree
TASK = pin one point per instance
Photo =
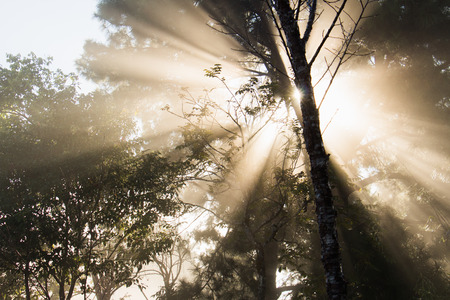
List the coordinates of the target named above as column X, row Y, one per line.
column 72, row 179
column 169, row 266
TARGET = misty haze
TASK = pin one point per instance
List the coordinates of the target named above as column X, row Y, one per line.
column 239, row 149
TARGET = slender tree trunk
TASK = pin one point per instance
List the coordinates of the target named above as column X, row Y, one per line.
column 260, row 268
column 169, row 288
column 73, row 281
column 62, row 295
column 267, row 264
column 270, row 267
column 62, row 278
column 27, row 283
column 326, row 214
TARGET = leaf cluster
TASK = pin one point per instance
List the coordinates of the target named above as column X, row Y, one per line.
column 74, row 187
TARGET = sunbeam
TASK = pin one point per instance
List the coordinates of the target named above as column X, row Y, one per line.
column 198, row 161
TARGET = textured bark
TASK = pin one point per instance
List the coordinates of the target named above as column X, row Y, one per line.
column 326, row 214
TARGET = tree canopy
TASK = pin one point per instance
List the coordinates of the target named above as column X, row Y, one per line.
column 75, row 184
column 310, row 162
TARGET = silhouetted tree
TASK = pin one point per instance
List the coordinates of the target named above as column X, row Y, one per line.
column 73, row 181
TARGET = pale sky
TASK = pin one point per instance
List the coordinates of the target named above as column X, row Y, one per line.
column 56, row 28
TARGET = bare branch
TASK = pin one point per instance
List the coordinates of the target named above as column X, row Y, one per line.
column 328, row 33
column 344, row 48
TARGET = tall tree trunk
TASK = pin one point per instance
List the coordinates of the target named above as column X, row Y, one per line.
column 270, row 267
column 62, row 295
column 326, row 214
column 260, row 268
column 27, row 282
column 73, row 281
column 267, row 264
column 102, row 286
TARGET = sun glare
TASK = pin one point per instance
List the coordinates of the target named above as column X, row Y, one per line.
column 297, row 95
column 343, row 116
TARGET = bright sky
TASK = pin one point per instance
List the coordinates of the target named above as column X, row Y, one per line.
column 56, row 28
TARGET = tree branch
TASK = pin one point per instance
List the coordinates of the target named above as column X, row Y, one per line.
column 327, row 35
column 312, row 14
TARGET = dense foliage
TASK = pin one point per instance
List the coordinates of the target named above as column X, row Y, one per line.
column 74, row 185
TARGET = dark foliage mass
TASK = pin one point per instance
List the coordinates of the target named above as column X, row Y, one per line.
column 74, row 185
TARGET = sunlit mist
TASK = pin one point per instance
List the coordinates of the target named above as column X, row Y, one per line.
column 174, row 83
column 384, row 153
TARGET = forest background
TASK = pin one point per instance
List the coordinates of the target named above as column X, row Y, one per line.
column 204, row 181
